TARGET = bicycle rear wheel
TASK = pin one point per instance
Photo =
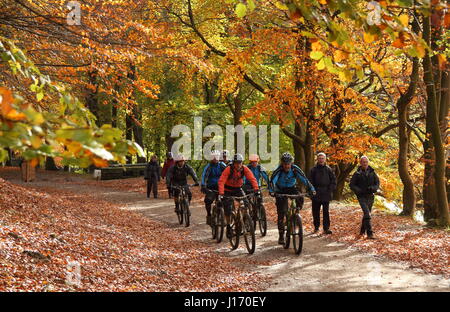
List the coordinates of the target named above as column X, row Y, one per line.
column 262, row 220
column 297, row 233
column 220, row 224
column 187, row 213
column 235, row 231
column 249, row 234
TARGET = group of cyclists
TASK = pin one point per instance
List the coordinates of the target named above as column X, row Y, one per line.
column 223, row 179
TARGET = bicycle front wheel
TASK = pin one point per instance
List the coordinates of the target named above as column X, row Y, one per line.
column 180, row 213
column 297, row 233
column 220, row 224
column 249, row 234
column 235, row 231
column 187, row 213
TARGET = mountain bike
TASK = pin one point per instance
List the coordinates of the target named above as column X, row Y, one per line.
column 217, row 218
column 293, row 222
column 183, row 212
column 241, row 224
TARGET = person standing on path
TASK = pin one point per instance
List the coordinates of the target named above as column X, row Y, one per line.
column 153, row 175
column 323, row 179
column 167, row 164
column 365, row 184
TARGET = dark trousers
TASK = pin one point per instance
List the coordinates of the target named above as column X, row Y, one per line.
column 316, row 214
column 152, row 184
column 210, row 197
column 366, row 203
column 228, row 202
column 282, row 206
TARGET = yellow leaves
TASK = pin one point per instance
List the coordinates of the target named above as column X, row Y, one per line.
column 377, row 68
column 404, row 19
column 74, row 147
column 323, row 1
column 36, row 141
column 280, row 5
column 421, row 49
column 316, row 46
column 368, row 37
column 340, row 56
column 442, row 59
column 345, row 75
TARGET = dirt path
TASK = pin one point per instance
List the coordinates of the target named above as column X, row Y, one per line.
column 324, row 265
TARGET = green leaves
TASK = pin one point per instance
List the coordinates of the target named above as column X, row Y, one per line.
column 241, row 10
column 37, row 133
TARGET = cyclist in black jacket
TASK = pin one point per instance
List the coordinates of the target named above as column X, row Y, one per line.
column 177, row 176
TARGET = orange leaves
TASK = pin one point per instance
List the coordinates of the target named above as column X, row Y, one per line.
column 118, row 250
column 6, row 102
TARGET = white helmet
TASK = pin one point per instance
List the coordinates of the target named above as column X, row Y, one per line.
column 179, row 157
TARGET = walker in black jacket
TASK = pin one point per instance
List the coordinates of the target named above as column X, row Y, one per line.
column 365, row 184
column 153, row 175
column 324, row 181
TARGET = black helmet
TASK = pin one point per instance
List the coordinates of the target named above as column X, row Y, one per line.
column 238, row 158
column 287, row 158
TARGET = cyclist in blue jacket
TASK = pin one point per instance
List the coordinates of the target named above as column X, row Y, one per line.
column 284, row 181
column 259, row 172
column 210, row 177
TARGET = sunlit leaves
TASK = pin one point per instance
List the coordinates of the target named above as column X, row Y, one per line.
column 25, row 128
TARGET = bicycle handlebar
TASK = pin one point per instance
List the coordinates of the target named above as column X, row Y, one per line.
column 291, row 195
column 179, row 187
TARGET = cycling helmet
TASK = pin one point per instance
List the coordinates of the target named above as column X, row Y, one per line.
column 169, row 155
column 253, row 157
column 179, row 158
column 287, row 158
column 225, row 153
column 238, row 158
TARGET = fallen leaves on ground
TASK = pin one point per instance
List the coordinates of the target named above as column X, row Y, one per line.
column 43, row 231
column 398, row 238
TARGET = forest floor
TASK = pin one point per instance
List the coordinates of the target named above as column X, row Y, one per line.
column 123, row 241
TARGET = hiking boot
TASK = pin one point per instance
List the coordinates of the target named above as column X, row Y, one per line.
column 316, row 230
column 370, row 236
column 327, row 232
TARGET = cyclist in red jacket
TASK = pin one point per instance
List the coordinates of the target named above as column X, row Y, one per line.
column 230, row 184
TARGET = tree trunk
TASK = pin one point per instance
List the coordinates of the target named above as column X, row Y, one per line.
column 409, row 195
column 436, row 136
